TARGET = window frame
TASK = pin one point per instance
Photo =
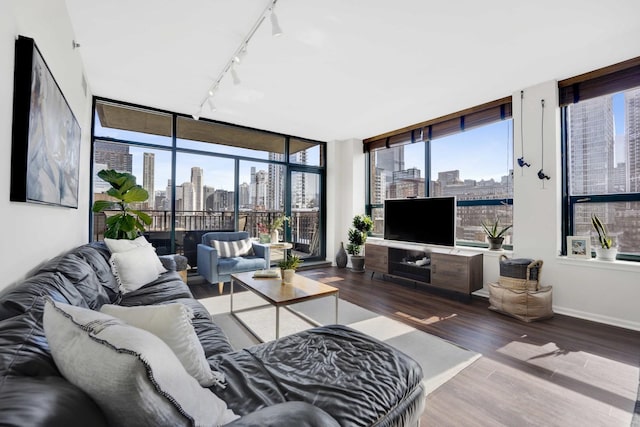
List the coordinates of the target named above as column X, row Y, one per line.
column 423, row 132
column 602, row 82
column 175, row 149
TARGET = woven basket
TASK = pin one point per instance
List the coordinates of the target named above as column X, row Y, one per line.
column 522, row 273
column 521, row 304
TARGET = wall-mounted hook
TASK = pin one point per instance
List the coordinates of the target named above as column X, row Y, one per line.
column 522, row 163
column 541, row 175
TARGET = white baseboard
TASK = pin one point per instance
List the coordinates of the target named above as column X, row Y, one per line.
column 607, row 320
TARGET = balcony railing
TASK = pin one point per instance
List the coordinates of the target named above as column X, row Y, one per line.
column 191, row 225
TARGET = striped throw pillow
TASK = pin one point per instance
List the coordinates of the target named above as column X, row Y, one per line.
column 233, row 248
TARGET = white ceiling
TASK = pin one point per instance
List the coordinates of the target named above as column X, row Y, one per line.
column 344, row 68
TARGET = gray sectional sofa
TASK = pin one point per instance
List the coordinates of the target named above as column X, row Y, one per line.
column 325, row 376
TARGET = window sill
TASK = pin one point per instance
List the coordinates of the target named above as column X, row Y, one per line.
column 486, row 252
column 603, row 265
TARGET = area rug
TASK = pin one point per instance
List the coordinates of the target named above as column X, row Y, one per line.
column 441, row 360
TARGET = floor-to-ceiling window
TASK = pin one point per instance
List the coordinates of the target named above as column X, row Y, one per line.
column 204, row 176
column 468, row 155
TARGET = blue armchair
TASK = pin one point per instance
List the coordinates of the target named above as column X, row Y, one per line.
column 217, row 269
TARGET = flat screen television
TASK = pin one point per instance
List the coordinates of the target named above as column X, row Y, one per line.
column 430, row 220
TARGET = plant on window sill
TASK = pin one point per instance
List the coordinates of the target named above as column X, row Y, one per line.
column 606, row 251
column 495, row 233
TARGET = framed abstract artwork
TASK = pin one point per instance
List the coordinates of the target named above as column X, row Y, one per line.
column 45, row 150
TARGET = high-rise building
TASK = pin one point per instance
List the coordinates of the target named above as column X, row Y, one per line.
column 169, row 190
column 244, row 196
column 299, row 190
column 99, row 184
column 592, row 143
column 412, row 173
column 632, row 126
column 275, row 185
column 207, row 199
column 188, row 196
column 592, row 146
column 114, row 156
column 449, row 177
column 222, row 200
column 148, row 177
column 252, row 187
column 178, row 198
column 390, row 160
column 196, row 181
column 406, row 183
column 379, row 187
column 259, row 189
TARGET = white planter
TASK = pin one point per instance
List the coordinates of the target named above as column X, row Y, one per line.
column 604, row 254
column 287, row 276
column 275, row 236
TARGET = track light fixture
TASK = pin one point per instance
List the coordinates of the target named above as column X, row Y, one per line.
column 238, row 56
column 212, row 106
column 276, row 31
column 234, row 76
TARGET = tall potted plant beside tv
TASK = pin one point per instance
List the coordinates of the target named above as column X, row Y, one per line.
column 361, row 226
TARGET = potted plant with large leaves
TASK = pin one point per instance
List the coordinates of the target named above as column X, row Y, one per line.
column 605, row 251
column 495, row 234
column 128, row 223
column 361, row 226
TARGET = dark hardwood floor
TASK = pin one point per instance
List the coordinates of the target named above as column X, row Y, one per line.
column 558, row 372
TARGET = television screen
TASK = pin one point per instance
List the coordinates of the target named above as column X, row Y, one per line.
column 430, row 220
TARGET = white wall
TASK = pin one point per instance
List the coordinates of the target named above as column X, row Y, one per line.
column 345, row 190
column 33, row 233
column 590, row 289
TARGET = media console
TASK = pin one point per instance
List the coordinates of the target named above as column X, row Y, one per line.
column 448, row 269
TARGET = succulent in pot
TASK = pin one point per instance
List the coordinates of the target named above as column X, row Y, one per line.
column 605, row 251
column 495, row 233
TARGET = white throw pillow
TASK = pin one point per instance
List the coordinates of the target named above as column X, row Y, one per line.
column 131, row 374
column 172, row 323
column 233, row 248
column 123, row 245
column 136, row 267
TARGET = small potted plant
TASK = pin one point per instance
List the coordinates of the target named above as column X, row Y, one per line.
column 362, row 225
column 288, row 266
column 495, row 234
column 128, row 223
column 276, row 226
column 605, row 250
column 264, row 235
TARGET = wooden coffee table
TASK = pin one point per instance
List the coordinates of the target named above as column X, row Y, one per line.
column 278, row 295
